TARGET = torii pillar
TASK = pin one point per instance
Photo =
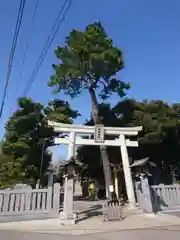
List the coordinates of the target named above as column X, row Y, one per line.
column 127, row 172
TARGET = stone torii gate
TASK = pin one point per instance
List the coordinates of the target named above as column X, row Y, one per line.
column 99, row 132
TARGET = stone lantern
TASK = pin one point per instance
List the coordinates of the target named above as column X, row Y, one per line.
column 70, row 166
column 142, row 167
column 51, row 173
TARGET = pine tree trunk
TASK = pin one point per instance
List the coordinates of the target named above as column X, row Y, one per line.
column 103, row 149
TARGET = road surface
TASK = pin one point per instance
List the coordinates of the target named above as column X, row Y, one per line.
column 165, row 234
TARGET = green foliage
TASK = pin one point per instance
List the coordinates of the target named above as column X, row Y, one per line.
column 88, row 60
column 60, row 111
column 107, row 116
column 24, row 139
column 159, row 140
column 10, row 173
column 156, row 117
column 27, row 134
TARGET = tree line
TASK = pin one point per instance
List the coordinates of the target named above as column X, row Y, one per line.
column 27, row 139
column 159, row 140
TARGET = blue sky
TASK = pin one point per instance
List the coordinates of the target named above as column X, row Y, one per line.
column 148, row 33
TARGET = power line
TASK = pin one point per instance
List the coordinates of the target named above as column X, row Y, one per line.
column 27, row 44
column 48, row 43
column 12, row 51
column 25, row 52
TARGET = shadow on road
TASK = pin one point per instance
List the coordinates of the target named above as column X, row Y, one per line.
column 91, row 212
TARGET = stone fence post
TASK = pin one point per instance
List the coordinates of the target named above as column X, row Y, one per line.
column 146, row 194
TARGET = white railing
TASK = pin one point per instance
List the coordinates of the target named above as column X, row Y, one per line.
column 30, row 201
column 166, row 195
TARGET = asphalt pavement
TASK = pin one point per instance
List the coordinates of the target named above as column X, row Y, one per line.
column 165, row 234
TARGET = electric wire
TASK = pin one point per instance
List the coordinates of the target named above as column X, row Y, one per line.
column 12, row 52
column 59, row 20
column 25, row 52
column 27, row 44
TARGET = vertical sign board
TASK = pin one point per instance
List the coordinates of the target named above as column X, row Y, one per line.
column 99, row 133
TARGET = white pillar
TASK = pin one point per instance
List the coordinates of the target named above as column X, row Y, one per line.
column 127, row 172
column 107, row 195
column 65, row 196
column 68, row 213
column 71, row 147
column 50, row 179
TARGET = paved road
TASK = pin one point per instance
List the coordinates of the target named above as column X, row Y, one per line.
column 173, row 213
column 165, row 234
